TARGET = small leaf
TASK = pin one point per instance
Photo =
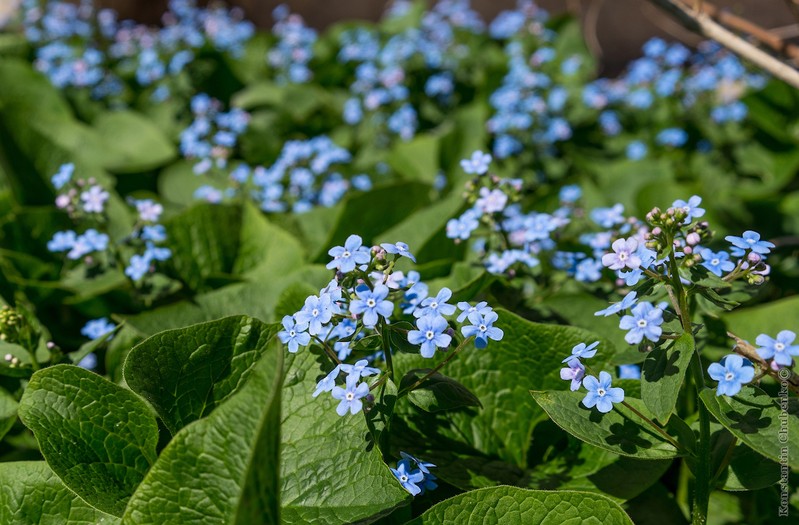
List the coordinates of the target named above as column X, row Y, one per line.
column 438, row 392
column 31, row 493
column 620, row 431
column 514, row 506
column 662, row 375
column 186, row 373
column 98, row 437
column 8, row 412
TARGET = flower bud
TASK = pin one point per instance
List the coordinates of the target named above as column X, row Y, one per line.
column 754, row 258
column 693, row 239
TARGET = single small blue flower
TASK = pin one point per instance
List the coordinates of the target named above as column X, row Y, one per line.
column 625, row 255
column 627, row 302
column 421, row 465
column 292, row 336
column 716, row 262
column 346, row 257
column 691, row 208
column 89, row 362
column 327, row 383
column 435, row 306
column 350, row 396
column 581, row 351
column 750, row 240
column 629, row 372
column 399, row 248
column 731, row 373
column 574, row 372
column 482, row 328
column 63, row 176
column 62, row 241
column 97, row 328
column 466, row 309
column 570, row 193
column 781, row 349
column 645, row 321
column 463, row 226
column 94, row 199
column 407, row 478
column 636, row 150
column 430, row 334
column 138, row 266
column 359, row 369
column 477, row 164
column 372, row 303
column 154, row 233
column 601, row 394
column 317, row 312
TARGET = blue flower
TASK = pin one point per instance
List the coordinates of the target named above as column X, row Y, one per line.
column 62, row 241
column 421, row 465
column 350, row 396
column 582, row 351
column 629, row 372
column 372, row 303
column 574, row 372
column 97, row 328
column 466, row 309
column 327, row 383
column 625, row 255
column 292, row 336
column 731, row 374
column 63, row 176
column 627, row 302
column 407, row 478
column 570, row 193
column 317, row 312
column 347, row 257
column 482, row 328
column 90, row 241
column 780, row 349
column 750, row 240
column 154, row 233
column 477, row 164
column 430, row 334
column 716, row 262
column 608, row 217
column 359, row 369
column 645, row 321
column 89, row 362
column 674, row 137
column 399, row 248
column 94, row 199
column 691, row 208
column 600, row 394
column 463, row 226
column 435, row 306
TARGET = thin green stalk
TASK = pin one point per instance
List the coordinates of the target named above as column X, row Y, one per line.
column 441, row 365
column 655, row 426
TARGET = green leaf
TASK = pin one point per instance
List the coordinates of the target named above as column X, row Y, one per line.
column 757, row 420
column 769, row 318
column 416, row 159
column 662, row 376
column 186, row 373
column 93, row 345
column 132, row 143
column 514, row 506
column 528, row 356
column 98, row 437
column 620, row 431
column 438, row 392
column 8, row 412
column 204, row 240
column 265, row 250
column 222, row 469
column 326, row 463
column 31, row 493
column 749, row 471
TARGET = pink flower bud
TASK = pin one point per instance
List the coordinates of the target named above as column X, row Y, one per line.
column 692, row 239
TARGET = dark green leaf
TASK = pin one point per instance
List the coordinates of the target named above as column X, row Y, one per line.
column 437, row 392
column 662, row 376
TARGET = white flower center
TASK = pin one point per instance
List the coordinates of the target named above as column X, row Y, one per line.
column 600, row 392
column 714, row 262
column 779, row 347
column 641, row 323
column 292, row 333
column 346, row 254
column 434, row 305
column 403, row 478
column 623, row 256
column 430, row 335
column 350, row 396
column 483, row 328
column 728, row 376
column 370, row 303
column 315, row 312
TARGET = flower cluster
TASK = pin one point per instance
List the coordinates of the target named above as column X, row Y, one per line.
column 600, row 393
column 294, row 48
column 360, row 304
column 85, row 201
column 213, row 134
column 414, row 475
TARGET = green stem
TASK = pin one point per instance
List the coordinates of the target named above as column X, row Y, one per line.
column 654, row 425
column 441, row 365
column 386, row 337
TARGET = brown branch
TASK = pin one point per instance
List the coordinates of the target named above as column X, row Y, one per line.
column 703, row 24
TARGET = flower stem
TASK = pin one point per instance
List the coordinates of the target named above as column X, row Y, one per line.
column 654, row 425
column 438, row 367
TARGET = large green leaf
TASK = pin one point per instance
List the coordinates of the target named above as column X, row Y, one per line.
column 620, row 431
column 222, row 469
column 501, row 375
column 98, row 437
column 265, row 250
column 31, row 493
column 758, row 420
column 132, row 142
column 515, row 506
column 416, row 159
column 8, row 412
column 329, row 472
column 662, row 376
column 186, row 373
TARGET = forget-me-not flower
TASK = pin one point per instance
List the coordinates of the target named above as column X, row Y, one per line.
column 731, row 374
column 346, row 257
column 781, row 348
column 430, row 334
column 581, row 351
column 691, row 208
column 644, row 322
column 316, row 312
column 482, row 328
column 477, row 164
column 716, row 262
column 97, row 328
column 574, row 372
column 750, row 240
column 350, row 396
column 399, row 248
column 436, row 305
column 627, row 302
column 601, row 394
column 372, row 303
column 408, row 479
column 625, row 255
column 292, row 336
